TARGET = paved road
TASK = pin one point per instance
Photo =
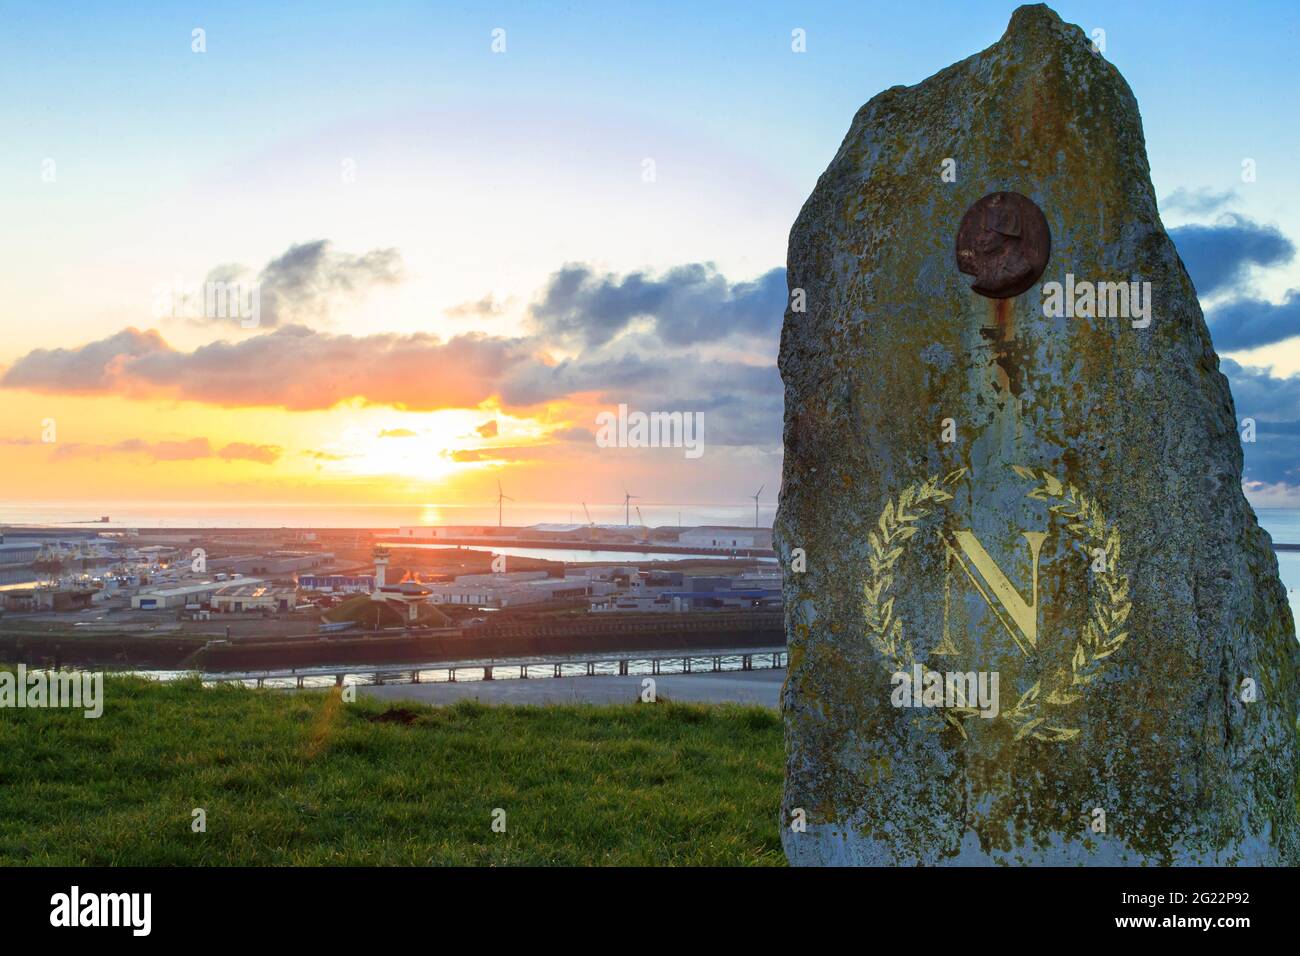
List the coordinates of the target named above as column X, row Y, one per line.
column 744, row 687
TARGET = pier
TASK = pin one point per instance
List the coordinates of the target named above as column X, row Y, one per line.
column 600, row 665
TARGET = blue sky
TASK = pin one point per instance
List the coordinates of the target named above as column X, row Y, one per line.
column 1212, row 78
column 486, row 173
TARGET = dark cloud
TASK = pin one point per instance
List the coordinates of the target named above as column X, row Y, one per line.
column 301, row 369
column 308, row 279
column 1260, row 394
column 88, row 369
column 1218, row 256
column 298, row 368
column 1198, row 202
column 689, row 304
column 1247, row 322
column 742, row 403
column 1274, row 403
column 302, row 282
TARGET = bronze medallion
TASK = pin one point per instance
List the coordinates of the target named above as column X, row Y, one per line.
column 1004, row 242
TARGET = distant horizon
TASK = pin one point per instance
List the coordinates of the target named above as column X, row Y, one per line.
column 187, row 514
column 260, row 515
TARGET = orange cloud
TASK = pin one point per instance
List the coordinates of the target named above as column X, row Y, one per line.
column 187, row 450
column 293, row 367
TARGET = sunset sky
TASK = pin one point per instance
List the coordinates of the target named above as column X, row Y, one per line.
column 464, row 255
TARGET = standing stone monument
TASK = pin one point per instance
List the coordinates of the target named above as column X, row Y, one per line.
column 1031, row 617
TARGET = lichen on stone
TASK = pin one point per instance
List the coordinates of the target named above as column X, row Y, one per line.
column 1138, row 420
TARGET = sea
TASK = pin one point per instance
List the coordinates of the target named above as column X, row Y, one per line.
column 571, row 555
column 1283, row 524
column 281, row 515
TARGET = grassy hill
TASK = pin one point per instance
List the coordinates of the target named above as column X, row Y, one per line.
column 305, row 778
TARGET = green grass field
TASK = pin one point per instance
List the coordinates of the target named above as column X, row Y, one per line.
column 304, row 778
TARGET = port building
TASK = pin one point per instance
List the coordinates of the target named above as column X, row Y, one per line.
column 242, row 597
column 200, row 592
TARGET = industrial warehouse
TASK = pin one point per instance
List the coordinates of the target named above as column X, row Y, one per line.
column 232, row 584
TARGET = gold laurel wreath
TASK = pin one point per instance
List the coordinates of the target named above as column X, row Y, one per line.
column 1102, row 636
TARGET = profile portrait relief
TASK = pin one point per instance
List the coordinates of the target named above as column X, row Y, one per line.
column 1004, row 242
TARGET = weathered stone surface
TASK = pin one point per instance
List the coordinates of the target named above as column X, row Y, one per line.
column 1121, row 685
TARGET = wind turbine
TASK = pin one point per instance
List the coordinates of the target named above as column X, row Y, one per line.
column 501, row 496
column 755, row 496
column 627, row 509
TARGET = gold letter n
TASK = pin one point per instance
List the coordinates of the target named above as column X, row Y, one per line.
column 1000, row 593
